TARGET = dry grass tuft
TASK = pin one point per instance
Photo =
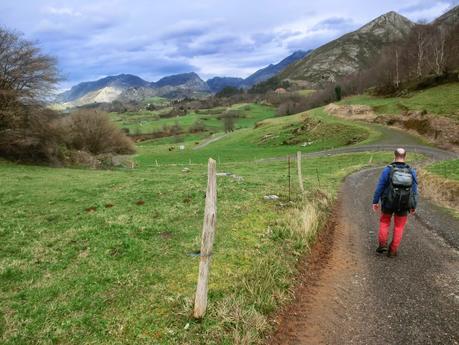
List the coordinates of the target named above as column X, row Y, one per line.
column 442, row 191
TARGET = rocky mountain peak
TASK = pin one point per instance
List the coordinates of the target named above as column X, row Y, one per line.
column 390, row 22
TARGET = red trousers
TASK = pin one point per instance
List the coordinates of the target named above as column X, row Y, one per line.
column 384, row 225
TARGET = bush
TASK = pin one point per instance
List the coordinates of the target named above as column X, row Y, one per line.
column 229, row 118
column 31, row 137
column 92, row 131
column 197, row 126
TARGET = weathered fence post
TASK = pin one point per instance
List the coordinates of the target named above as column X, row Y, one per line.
column 207, row 241
column 289, row 179
column 300, row 176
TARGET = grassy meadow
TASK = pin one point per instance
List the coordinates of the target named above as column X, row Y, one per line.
column 151, row 121
column 108, row 257
column 272, row 137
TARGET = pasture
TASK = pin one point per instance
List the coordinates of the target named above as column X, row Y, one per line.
column 109, row 257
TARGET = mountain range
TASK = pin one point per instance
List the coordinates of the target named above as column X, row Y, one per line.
column 343, row 56
column 128, row 87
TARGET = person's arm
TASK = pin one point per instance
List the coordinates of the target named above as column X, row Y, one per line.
column 380, row 187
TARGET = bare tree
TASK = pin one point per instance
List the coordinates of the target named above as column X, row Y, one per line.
column 421, row 42
column 26, row 74
column 229, row 119
column 438, row 45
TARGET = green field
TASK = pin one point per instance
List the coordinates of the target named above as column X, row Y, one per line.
column 108, row 257
column 272, row 137
column 82, row 263
column 441, row 100
column 150, row 121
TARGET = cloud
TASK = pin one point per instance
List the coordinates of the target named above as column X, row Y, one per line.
column 426, row 10
column 63, row 11
column 94, row 38
column 335, row 24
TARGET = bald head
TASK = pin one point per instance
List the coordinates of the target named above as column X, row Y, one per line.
column 400, row 155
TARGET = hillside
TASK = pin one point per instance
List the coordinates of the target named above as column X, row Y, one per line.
column 217, row 84
column 449, row 18
column 432, row 113
column 350, row 52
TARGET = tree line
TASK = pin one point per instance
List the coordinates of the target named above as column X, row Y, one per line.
column 428, row 55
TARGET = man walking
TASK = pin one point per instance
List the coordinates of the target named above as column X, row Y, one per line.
column 397, row 191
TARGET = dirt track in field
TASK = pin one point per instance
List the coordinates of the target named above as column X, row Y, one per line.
column 349, row 294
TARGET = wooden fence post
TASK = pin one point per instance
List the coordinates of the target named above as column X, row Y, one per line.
column 289, row 179
column 300, row 176
column 208, row 234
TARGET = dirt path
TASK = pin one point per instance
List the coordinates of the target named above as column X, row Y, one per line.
column 208, row 141
column 348, row 294
column 355, row 296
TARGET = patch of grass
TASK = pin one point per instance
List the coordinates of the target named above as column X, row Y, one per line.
column 447, row 169
column 440, row 100
column 103, row 256
column 305, row 92
column 157, row 101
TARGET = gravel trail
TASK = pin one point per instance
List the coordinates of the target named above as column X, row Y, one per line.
column 349, row 294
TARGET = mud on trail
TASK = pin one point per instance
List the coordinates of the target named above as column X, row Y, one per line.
column 348, row 294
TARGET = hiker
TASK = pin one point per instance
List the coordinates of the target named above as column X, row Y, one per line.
column 397, row 191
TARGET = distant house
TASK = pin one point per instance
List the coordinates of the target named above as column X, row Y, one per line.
column 280, row 91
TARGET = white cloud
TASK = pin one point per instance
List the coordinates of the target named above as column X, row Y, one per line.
column 65, row 11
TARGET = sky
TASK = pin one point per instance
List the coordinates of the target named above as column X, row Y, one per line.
column 95, row 38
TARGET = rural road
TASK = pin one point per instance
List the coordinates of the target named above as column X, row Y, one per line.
column 348, row 294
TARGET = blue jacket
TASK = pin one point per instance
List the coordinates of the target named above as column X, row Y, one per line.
column 383, row 183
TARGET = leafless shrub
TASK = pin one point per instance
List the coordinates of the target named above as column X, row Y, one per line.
column 92, row 131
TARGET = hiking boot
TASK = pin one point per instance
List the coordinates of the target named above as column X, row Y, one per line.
column 391, row 254
column 381, row 249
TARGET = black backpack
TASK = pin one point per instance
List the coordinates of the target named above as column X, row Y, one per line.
column 399, row 194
